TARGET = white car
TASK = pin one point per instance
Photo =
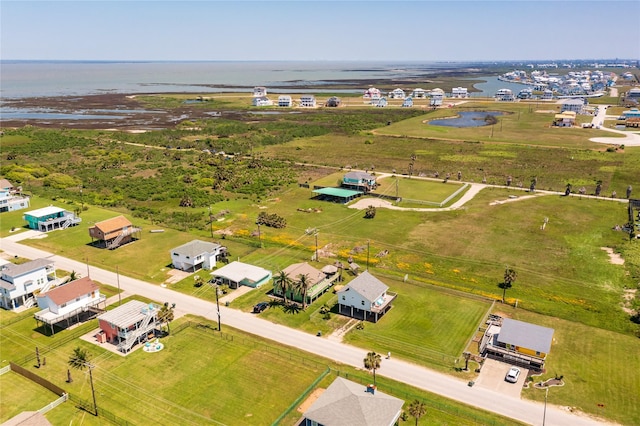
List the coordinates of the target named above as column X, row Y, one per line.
column 512, row 375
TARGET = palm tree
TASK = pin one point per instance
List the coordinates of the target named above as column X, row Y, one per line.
column 79, row 360
column 510, row 276
column 417, row 409
column 302, row 287
column 165, row 315
column 372, row 362
column 73, row 276
column 283, row 283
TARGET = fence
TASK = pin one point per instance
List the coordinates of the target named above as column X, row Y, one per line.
column 5, row 369
column 72, row 335
column 442, row 203
column 301, row 397
column 39, row 380
column 54, row 404
column 102, row 413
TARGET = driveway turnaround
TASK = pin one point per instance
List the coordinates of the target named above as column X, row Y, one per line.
column 491, row 400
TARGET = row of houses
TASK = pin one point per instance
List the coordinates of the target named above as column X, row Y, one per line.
column 373, row 94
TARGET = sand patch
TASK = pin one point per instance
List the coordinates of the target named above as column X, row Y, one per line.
column 614, row 258
column 310, row 400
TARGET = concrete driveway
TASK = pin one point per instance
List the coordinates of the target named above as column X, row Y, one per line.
column 492, row 377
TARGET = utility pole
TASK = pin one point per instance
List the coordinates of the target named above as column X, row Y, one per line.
column 218, row 305
column 544, row 414
column 259, row 234
column 87, row 259
column 119, row 292
column 368, row 255
column 210, row 222
column 93, row 392
column 316, row 235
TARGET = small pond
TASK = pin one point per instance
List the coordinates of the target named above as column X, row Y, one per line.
column 466, row 119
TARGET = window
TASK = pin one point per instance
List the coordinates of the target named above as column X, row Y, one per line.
column 343, row 297
column 362, row 302
column 63, row 305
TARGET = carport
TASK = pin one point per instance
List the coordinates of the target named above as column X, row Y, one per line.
column 336, row 195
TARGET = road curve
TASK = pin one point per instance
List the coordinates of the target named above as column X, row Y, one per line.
column 525, row 411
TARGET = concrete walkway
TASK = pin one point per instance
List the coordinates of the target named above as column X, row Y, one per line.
column 418, row 376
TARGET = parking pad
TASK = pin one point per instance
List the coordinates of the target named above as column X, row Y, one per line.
column 492, row 377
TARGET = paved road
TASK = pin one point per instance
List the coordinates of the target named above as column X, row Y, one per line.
column 630, row 139
column 420, row 377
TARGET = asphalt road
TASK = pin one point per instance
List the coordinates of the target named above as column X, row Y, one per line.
column 525, row 411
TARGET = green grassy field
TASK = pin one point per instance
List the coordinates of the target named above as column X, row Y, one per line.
column 18, row 394
column 599, row 367
column 180, row 384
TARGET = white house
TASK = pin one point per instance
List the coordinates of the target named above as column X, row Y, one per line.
column 308, row 101
column 575, row 105
column 371, row 93
column 504, row 95
column 408, row 102
column 259, row 92
column 69, row 302
column 437, row 96
column 10, row 202
column 196, row 255
column 262, row 101
column 419, row 93
column 18, row 283
column 380, row 103
column 547, row 95
column 459, row 92
column 397, row 94
column 366, row 298
column 285, row 101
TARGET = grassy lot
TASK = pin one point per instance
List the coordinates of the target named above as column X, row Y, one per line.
column 599, row 367
column 426, row 325
column 179, row 385
column 18, row 394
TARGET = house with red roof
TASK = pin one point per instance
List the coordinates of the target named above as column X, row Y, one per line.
column 70, row 303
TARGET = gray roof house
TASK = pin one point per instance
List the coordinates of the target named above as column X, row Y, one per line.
column 345, row 403
column 360, row 181
column 366, row 298
column 196, row 255
column 518, row 342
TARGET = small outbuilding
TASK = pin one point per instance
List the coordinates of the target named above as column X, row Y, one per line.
column 237, row 273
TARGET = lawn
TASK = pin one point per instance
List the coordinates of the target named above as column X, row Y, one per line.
column 18, row 394
column 601, row 368
column 180, row 384
column 426, row 325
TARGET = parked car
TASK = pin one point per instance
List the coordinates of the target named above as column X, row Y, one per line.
column 512, row 375
column 260, row 307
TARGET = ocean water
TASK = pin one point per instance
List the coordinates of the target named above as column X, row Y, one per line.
column 20, row 79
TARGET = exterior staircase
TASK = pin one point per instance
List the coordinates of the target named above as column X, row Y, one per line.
column 133, row 336
column 115, row 243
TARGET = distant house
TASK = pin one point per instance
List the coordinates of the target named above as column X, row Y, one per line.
column 517, row 342
column 526, row 93
column 346, row 403
column 547, row 95
column 419, row 93
column 575, row 105
column 262, row 101
column 129, row 324
column 196, row 255
column 633, row 93
column 504, row 95
column 317, row 282
column 379, row 103
column 237, row 273
column 50, row 218
column 115, row 232
column 285, row 101
column 436, row 97
column 366, row 298
column 459, row 92
column 408, row 102
column 308, row 101
column 259, row 91
column 20, row 283
column 631, row 113
column 371, row 93
column 11, row 197
column 71, row 302
column 360, row 181
column 565, row 119
column 397, row 94
column 333, row 102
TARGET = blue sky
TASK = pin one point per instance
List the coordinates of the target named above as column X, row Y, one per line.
column 319, row 30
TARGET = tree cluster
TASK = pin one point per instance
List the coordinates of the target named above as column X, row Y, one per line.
column 272, row 220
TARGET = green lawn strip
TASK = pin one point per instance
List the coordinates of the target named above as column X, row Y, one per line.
column 18, row 394
column 599, row 367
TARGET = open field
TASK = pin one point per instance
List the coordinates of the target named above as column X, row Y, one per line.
column 175, row 384
column 601, row 369
column 18, row 394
